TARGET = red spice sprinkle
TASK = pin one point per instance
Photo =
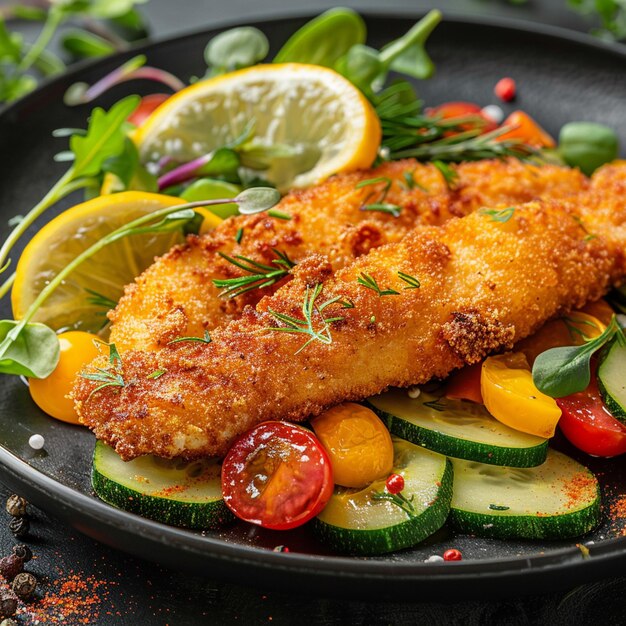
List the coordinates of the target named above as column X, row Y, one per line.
column 618, row 509
column 505, row 89
column 452, row 555
column 578, row 488
column 395, row 484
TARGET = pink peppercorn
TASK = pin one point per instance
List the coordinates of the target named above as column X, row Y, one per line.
column 505, row 89
column 452, row 555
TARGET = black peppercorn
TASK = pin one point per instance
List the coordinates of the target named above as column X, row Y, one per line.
column 24, row 585
column 24, row 552
column 16, row 506
column 8, row 622
column 11, row 566
column 19, row 526
column 8, row 603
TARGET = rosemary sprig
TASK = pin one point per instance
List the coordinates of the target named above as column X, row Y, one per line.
column 156, row 374
column 259, row 274
column 449, row 175
column 111, row 377
column 412, row 282
column 281, row 215
column 97, row 299
column 379, row 204
column 205, row 339
column 400, row 500
column 368, row 281
column 306, row 325
column 502, row 216
column 239, row 235
column 410, row 182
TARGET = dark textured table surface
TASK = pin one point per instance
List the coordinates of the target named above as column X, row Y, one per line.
column 113, row 588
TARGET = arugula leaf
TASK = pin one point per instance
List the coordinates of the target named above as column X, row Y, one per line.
column 32, row 352
column 105, row 137
column 562, row 371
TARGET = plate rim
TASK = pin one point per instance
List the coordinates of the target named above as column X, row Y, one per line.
column 64, row 500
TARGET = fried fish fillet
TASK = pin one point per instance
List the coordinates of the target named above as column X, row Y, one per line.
column 484, row 283
column 176, row 297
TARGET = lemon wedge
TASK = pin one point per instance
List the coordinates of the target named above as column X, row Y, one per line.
column 80, row 303
column 324, row 120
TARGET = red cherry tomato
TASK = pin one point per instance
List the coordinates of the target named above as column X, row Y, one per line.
column 450, row 110
column 277, row 475
column 505, row 89
column 588, row 424
column 465, row 384
column 145, row 108
column 394, row 484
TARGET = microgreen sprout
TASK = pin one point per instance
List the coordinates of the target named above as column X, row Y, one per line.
column 133, row 69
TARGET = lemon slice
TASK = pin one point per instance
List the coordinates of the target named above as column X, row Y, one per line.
column 327, row 123
column 60, row 241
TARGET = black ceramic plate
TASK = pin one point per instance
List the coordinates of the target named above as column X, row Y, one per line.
column 560, row 78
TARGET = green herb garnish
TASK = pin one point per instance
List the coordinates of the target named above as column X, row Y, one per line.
column 112, row 377
column 502, row 216
column 205, row 339
column 307, row 325
column 368, row 281
column 413, row 283
column 259, row 274
column 562, row 371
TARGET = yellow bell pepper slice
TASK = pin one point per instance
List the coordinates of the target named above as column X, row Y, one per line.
column 357, row 442
column 511, row 397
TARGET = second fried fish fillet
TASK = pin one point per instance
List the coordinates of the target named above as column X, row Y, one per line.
column 176, row 296
column 403, row 314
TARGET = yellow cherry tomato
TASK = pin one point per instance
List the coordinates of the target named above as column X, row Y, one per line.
column 570, row 330
column 50, row 394
column 512, row 398
column 357, row 442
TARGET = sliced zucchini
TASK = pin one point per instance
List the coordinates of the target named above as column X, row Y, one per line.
column 457, row 428
column 175, row 492
column 557, row 500
column 356, row 521
column 612, row 379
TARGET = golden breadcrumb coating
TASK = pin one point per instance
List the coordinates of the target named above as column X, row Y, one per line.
column 484, row 284
column 176, row 297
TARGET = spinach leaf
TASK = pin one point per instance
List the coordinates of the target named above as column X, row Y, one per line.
column 32, row 351
column 235, row 49
column 325, row 39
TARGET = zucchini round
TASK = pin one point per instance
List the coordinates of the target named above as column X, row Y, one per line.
column 174, row 492
column 357, row 521
column 557, row 500
column 457, row 428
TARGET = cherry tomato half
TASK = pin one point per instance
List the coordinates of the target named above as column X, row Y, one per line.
column 50, row 394
column 277, row 475
column 588, row 424
column 146, row 106
column 524, row 128
column 465, row 384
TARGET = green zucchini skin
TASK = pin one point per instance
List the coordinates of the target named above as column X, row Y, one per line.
column 193, row 515
column 613, row 359
column 395, row 536
column 544, row 495
column 456, row 447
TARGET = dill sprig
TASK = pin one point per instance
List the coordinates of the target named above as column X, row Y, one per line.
column 111, row 377
column 370, row 282
column 306, row 326
column 259, row 274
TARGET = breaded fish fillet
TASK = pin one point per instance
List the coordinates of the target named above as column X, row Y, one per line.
column 176, row 297
column 484, row 283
